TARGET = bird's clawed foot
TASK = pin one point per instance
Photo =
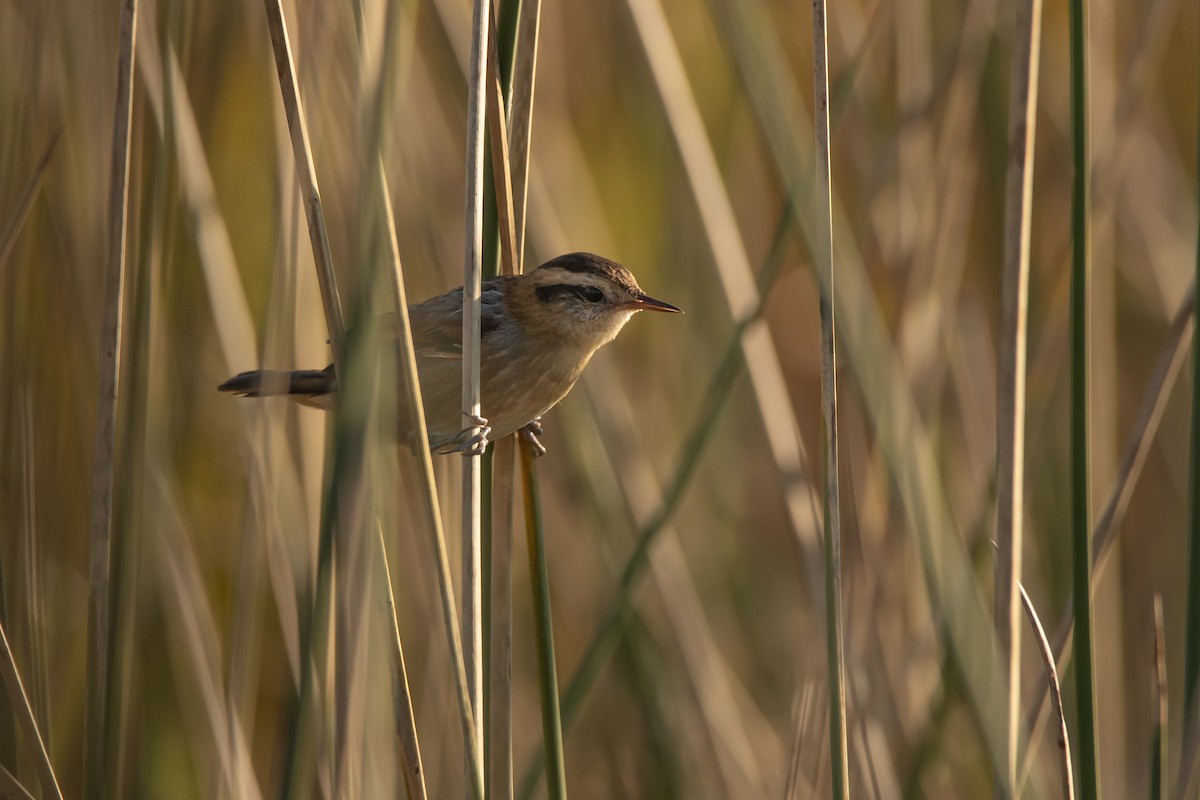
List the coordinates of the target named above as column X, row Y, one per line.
column 473, row 439
column 530, row 434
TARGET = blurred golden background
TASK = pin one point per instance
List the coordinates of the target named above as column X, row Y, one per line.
column 668, row 137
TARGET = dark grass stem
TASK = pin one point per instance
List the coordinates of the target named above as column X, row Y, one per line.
column 1104, row 535
column 539, row 581
column 1191, row 672
column 104, row 463
column 1010, row 401
column 1159, row 752
column 822, row 252
column 1081, row 558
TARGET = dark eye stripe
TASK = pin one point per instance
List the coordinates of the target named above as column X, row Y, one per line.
column 547, row 293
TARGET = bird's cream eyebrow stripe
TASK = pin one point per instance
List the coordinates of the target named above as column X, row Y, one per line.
column 548, row 291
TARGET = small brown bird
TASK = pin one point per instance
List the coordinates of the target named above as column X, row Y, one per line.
column 539, row 330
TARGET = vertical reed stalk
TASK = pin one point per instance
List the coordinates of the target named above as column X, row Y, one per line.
column 1010, row 402
column 472, row 278
column 822, row 251
column 1089, row 777
column 104, row 464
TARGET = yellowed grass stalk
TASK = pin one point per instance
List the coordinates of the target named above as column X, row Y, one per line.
column 1010, row 403
column 307, row 174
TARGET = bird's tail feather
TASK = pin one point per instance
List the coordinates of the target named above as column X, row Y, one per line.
column 269, row 383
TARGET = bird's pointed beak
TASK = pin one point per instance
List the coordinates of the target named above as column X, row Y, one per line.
column 647, row 303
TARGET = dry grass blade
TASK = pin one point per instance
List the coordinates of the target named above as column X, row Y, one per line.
column 104, row 464
column 24, row 711
column 1010, row 403
column 25, row 201
column 1064, row 741
column 307, row 174
column 11, row 787
column 429, row 506
column 498, row 139
column 406, row 724
column 521, row 114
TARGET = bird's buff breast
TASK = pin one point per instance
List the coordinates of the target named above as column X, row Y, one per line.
column 513, row 390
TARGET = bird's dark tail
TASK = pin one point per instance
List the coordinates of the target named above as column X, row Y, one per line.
column 269, row 383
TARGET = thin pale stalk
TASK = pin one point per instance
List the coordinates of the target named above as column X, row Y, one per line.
column 430, row 508
column 1081, row 559
column 472, row 521
column 1010, row 401
column 823, row 255
column 25, row 717
column 104, row 463
column 1158, row 708
column 25, row 201
column 11, row 786
column 539, row 579
column 1064, row 740
column 406, row 723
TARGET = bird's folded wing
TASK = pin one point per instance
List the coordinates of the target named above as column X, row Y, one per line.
column 437, row 322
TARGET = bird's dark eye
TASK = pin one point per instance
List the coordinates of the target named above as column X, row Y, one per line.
column 592, row 294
